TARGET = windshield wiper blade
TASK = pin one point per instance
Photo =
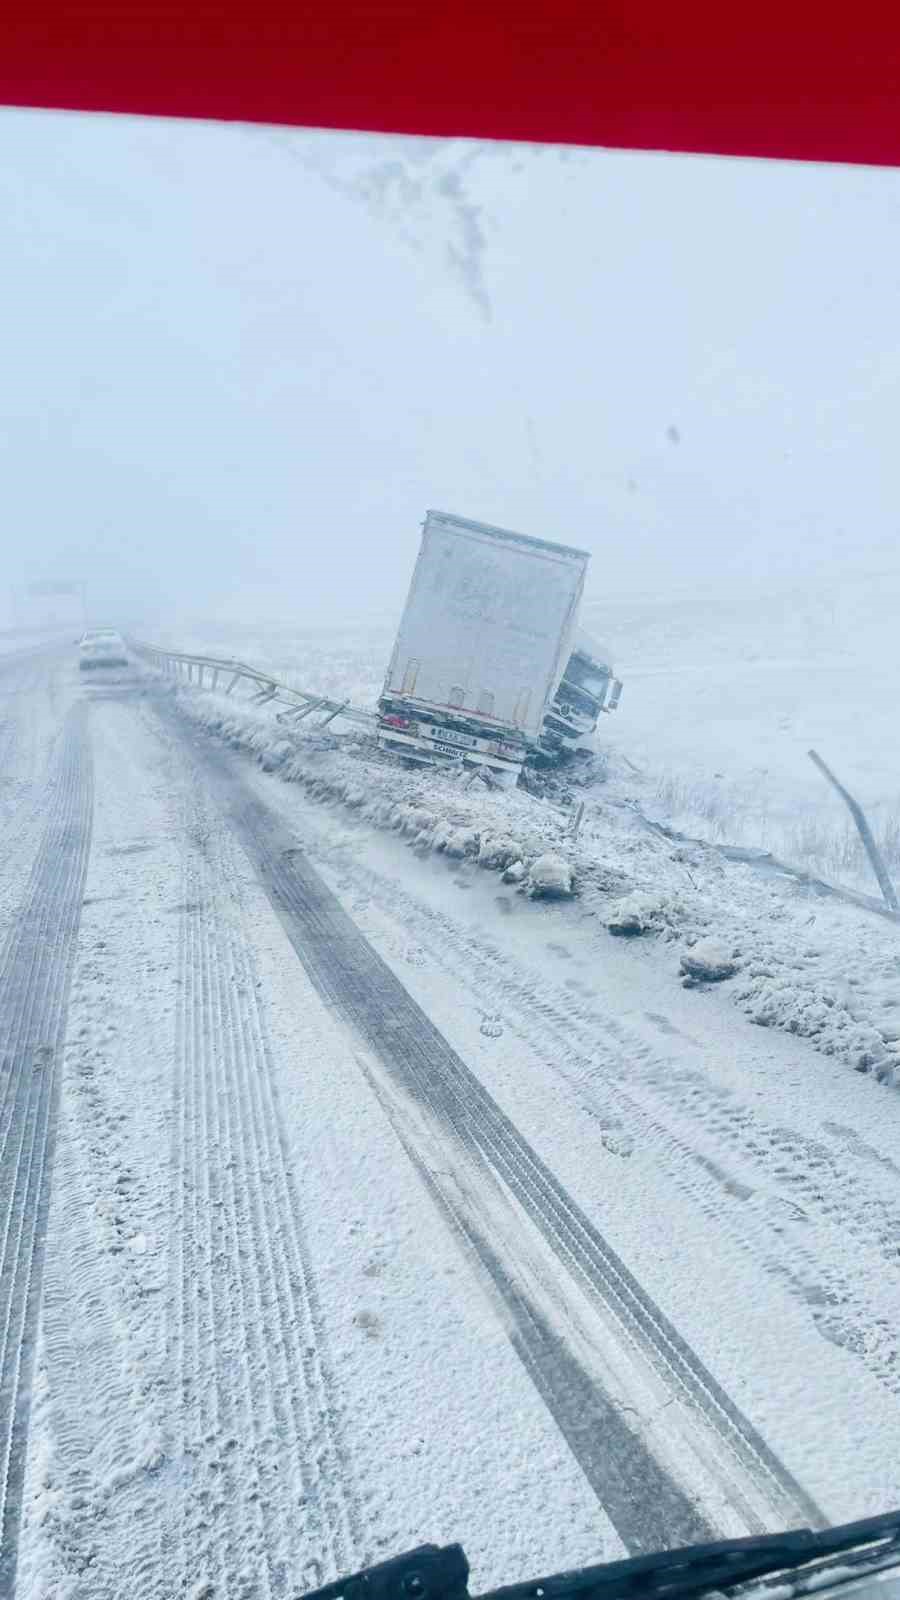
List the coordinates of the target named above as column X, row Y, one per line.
column 703, row 1566
column 430, row 1572
column 435, row 1572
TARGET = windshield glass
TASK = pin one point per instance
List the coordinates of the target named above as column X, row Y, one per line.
column 587, row 675
column 449, row 1081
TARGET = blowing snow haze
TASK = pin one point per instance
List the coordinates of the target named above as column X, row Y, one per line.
column 240, row 363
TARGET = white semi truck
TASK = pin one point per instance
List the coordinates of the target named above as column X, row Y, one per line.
column 485, row 638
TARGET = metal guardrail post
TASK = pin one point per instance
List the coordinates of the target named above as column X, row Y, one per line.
column 331, row 716
column 314, row 705
column 865, row 833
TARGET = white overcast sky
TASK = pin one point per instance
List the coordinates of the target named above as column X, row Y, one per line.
column 239, row 364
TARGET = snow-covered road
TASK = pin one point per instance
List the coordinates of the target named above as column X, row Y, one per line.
column 348, row 1202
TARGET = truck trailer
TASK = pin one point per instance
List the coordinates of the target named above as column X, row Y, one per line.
column 484, row 639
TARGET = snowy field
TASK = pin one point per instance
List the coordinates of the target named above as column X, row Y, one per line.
column 727, row 691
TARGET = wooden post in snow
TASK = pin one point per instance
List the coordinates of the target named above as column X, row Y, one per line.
column 865, row 833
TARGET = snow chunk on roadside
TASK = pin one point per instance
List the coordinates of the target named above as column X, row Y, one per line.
column 456, row 842
column 273, row 756
column 498, row 851
column 776, row 997
column 551, row 875
column 708, row 961
column 636, row 913
column 413, row 820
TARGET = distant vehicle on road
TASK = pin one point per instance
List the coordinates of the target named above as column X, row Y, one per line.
column 102, row 647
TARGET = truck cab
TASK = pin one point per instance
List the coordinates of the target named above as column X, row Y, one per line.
column 588, row 688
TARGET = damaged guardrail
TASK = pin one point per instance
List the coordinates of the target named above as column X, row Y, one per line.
column 225, row 673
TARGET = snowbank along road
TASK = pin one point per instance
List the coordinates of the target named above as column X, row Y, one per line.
column 346, row 1202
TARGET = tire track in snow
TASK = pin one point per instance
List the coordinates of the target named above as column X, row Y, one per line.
column 26, row 769
column 623, row 1473
column 9, row 738
column 260, row 1463
column 102, row 1450
column 35, row 975
column 97, row 1474
column 796, row 1184
column 350, row 975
